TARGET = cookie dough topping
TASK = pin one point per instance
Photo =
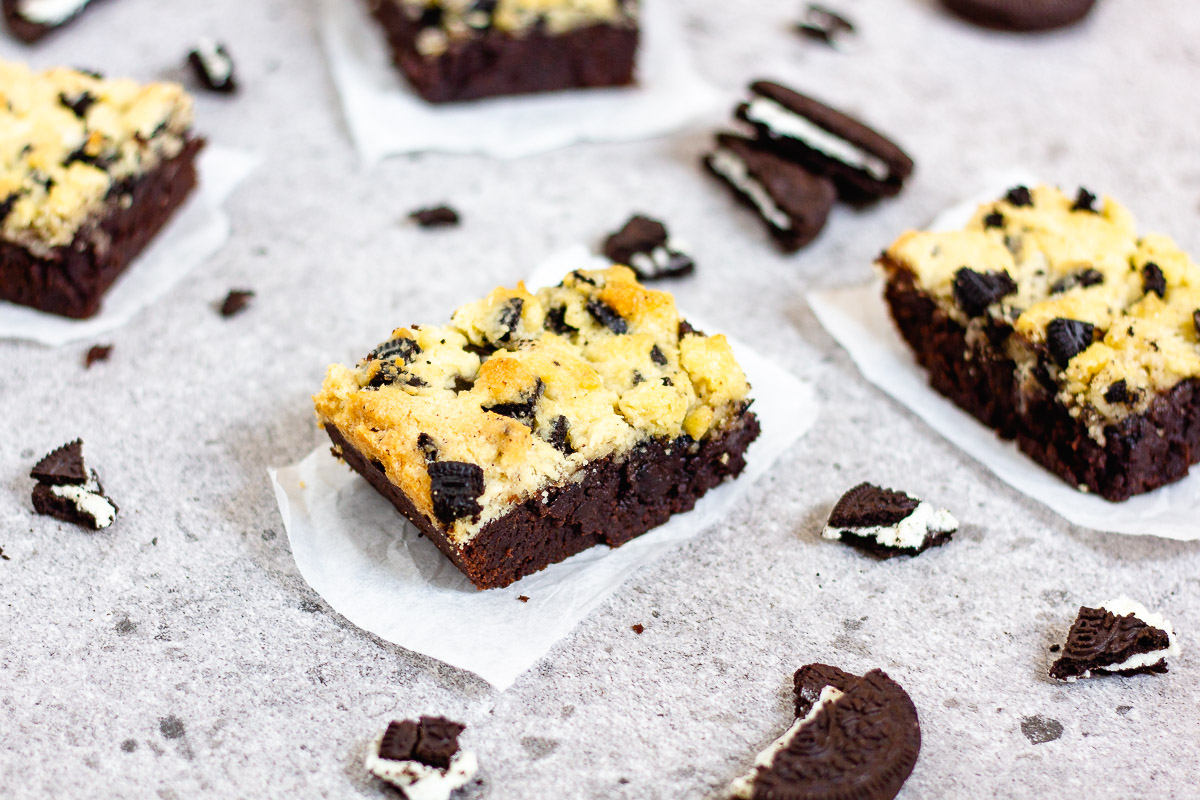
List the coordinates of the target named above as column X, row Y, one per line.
column 68, row 143
column 522, row 391
column 1077, row 298
column 422, row 758
column 1120, row 637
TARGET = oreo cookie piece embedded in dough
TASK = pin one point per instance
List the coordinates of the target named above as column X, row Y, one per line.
column 644, row 245
column 853, row 738
column 793, row 202
column 1021, row 15
column 864, row 164
column 422, row 758
column 1120, row 637
column 888, row 523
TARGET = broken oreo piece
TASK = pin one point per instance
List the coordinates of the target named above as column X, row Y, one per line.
column 853, row 738
column 1067, row 338
column 823, row 24
column 435, row 217
column 401, row 347
column 454, row 488
column 1021, row 16
column 67, row 490
column 994, row 220
column 793, row 202
column 888, row 523
column 975, row 291
column 1118, row 392
column 1153, row 280
column 422, row 758
column 236, row 301
column 1085, row 201
column 607, row 316
column 1019, row 196
column 99, row 352
column 30, row 20
column 1120, row 637
column 864, row 164
column 213, row 66
column 1196, row 321
column 1085, row 278
column 644, row 245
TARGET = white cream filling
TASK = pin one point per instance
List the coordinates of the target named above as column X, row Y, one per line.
column 50, row 12
column 88, row 500
column 734, row 170
column 420, row 781
column 217, row 66
column 1123, row 606
column 908, row 533
column 784, row 122
column 743, row 787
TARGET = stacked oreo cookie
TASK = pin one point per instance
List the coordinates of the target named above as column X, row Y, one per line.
column 800, row 158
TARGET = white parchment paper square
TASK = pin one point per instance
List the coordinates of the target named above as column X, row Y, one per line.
column 372, row 566
column 386, row 117
column 858, row 319
column 197, row 230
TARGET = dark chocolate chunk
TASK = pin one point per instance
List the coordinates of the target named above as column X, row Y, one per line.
column 657, row 356
column 1153, row 280
column 404, row 348
column 213, row 66
column 1067, row 338
column 79, row 104
column 510, row 317
column 867, row 506
column 1019, row 196
column 399, row 740
column 62, row 466
column 437, row 741
column 236, row 301
column 99, row 352
column 1099, row 639
column 455, row 487
column 644, row 245
column 975, row 291
column 994, row 220
column 1117, row 392
column 558, row 435
column 556, row 321
column 863, row 744
column 523, row 411
column 1021, row 15
column 436, row 217
column 607, row 316
column 1087, row 277
column 1084, row 201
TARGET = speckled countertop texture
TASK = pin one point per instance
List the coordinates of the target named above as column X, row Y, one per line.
column 180, row 654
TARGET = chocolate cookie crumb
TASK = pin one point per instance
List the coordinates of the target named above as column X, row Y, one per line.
column 1067, row 338
column 638, row 628
column 236, row 301
column 1153, row 280
column 99, row 352
column 823, row 24
column 435, row 217
column 523, row 598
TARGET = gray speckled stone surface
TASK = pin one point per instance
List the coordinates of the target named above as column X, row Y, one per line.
column 181, row 655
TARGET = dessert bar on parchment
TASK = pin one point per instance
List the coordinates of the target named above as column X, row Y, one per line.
column 90, row 170
column 535, row 426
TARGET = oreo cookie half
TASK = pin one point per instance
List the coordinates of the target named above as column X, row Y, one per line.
column 422, row 758
column 888, row 523
column 853, row 737
column 793, row 202
column 1120, row 637
column 864, row 164
column 1021, row 15
column 644, row 245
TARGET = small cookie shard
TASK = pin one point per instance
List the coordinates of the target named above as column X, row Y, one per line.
column 213, row 66
column 99, row 352
column 422, row 758
column 853, row 738
column 435, row 217
column 823, row 24
column 236, row 301
column 645, row 245
column 1120, row 637
column 62, row 466
column 30, row 20
column 862, row 163
column 793, row 202
column 1021, row 15
column 888, row 523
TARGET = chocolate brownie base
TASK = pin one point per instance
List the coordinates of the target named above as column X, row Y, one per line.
column 73, row 278
column 614, row 502
column 28, row 31
column 1141, row 453
column 500, row 64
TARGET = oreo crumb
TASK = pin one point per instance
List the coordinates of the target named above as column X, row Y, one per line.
column 558, row 435
column 236, row 301
column 1153, row 280
column 402, row 347
column 427, row 446
column 129, row 745
column 556, row 321
column 1067, row 338
column 1117, row 392
column 455, row 487
column 823, row 24
column 435, row 217
column 510, row 317
column 1019, row 196
column 3, row 557
column 639, row 629
column 213, row 66
column 607, row 316
column 994, row 220
column 657, row 356
column 80, row 104
column 1084, row 201
column 99, row 352
column 1196, row 321
column 1054, row 648
column 523, row 598
column 1088, row 277
column 975, row 291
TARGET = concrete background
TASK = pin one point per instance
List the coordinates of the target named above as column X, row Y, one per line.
column 180, row 654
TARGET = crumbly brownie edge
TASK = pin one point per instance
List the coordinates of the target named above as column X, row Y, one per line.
column 72, row 280
column 500, row 64
column 614, row 502
column 1141, row 453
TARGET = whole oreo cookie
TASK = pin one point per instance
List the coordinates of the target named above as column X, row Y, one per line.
column 1021, row 15
column 853, row 738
